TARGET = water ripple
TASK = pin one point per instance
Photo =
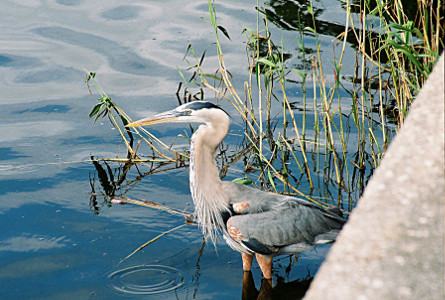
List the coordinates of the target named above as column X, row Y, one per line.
column 149, row 280
column 120, row 58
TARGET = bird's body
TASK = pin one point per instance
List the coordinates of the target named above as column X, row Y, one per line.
column 252, row 221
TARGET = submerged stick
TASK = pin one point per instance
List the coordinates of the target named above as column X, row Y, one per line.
column 150, row 204
column 151, row 241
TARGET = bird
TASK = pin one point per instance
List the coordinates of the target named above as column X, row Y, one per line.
column 253, row 222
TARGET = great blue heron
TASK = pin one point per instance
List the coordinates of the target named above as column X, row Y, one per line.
column 252, row 221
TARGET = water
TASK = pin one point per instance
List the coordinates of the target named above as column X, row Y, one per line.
column 58, row 243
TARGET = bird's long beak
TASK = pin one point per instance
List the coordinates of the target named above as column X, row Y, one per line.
column 166, row 117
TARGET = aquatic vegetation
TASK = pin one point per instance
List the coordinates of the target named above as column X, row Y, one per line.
column 325, row 148
column 317, row 136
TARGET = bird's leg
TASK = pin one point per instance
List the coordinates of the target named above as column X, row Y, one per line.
column 265, row 262
column 247, row 261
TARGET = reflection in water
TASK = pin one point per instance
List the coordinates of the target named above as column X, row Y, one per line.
column 109, row 185
column 294, row 16
column 42, row 57
column 123, row 12
column 113, row 182
column 289, row 290
column 121, row 58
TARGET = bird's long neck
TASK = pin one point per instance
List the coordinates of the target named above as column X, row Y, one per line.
column 205, row 184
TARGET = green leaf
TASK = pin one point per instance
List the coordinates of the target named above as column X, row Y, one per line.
column 100, row 115
column 309, row 29
column 249, row 30
column 180, row 74
column 412, row 59
column 109, row 102
column 244, row 181
column 271, row 179
column 96, row 109
column 212, row 76
column 224, row 31
column 285, row 173
column 303, row 75
column 267, row 62
column 125, row 122
column 257, row 73
column 102, row 99
column 189, row 47
column 299, row 44
column 211, row 12
column 202, row 57
column 90, row 76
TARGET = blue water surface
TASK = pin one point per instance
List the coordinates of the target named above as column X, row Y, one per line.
column 58, row 241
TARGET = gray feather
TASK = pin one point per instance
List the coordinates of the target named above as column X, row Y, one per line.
column 277, row 221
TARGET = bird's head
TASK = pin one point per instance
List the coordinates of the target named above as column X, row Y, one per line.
column 197, row 111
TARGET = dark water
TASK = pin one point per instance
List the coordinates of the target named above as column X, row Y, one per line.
column 57, row 242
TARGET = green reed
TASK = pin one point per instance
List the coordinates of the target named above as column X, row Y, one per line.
column 106, row 107
column 398, row 79
column 394, row 56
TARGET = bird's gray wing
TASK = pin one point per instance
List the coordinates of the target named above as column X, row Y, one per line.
column 273, row 221
column 250, row 200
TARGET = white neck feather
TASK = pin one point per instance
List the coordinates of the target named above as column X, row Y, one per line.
column 205, row 185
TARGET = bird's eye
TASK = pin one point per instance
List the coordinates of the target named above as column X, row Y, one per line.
column 188, row 111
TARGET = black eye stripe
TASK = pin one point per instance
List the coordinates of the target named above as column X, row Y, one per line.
column 198, row 105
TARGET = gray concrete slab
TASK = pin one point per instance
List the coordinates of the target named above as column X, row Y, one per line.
column 393, row 244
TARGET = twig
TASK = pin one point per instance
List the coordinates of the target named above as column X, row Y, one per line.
column 151, row 241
